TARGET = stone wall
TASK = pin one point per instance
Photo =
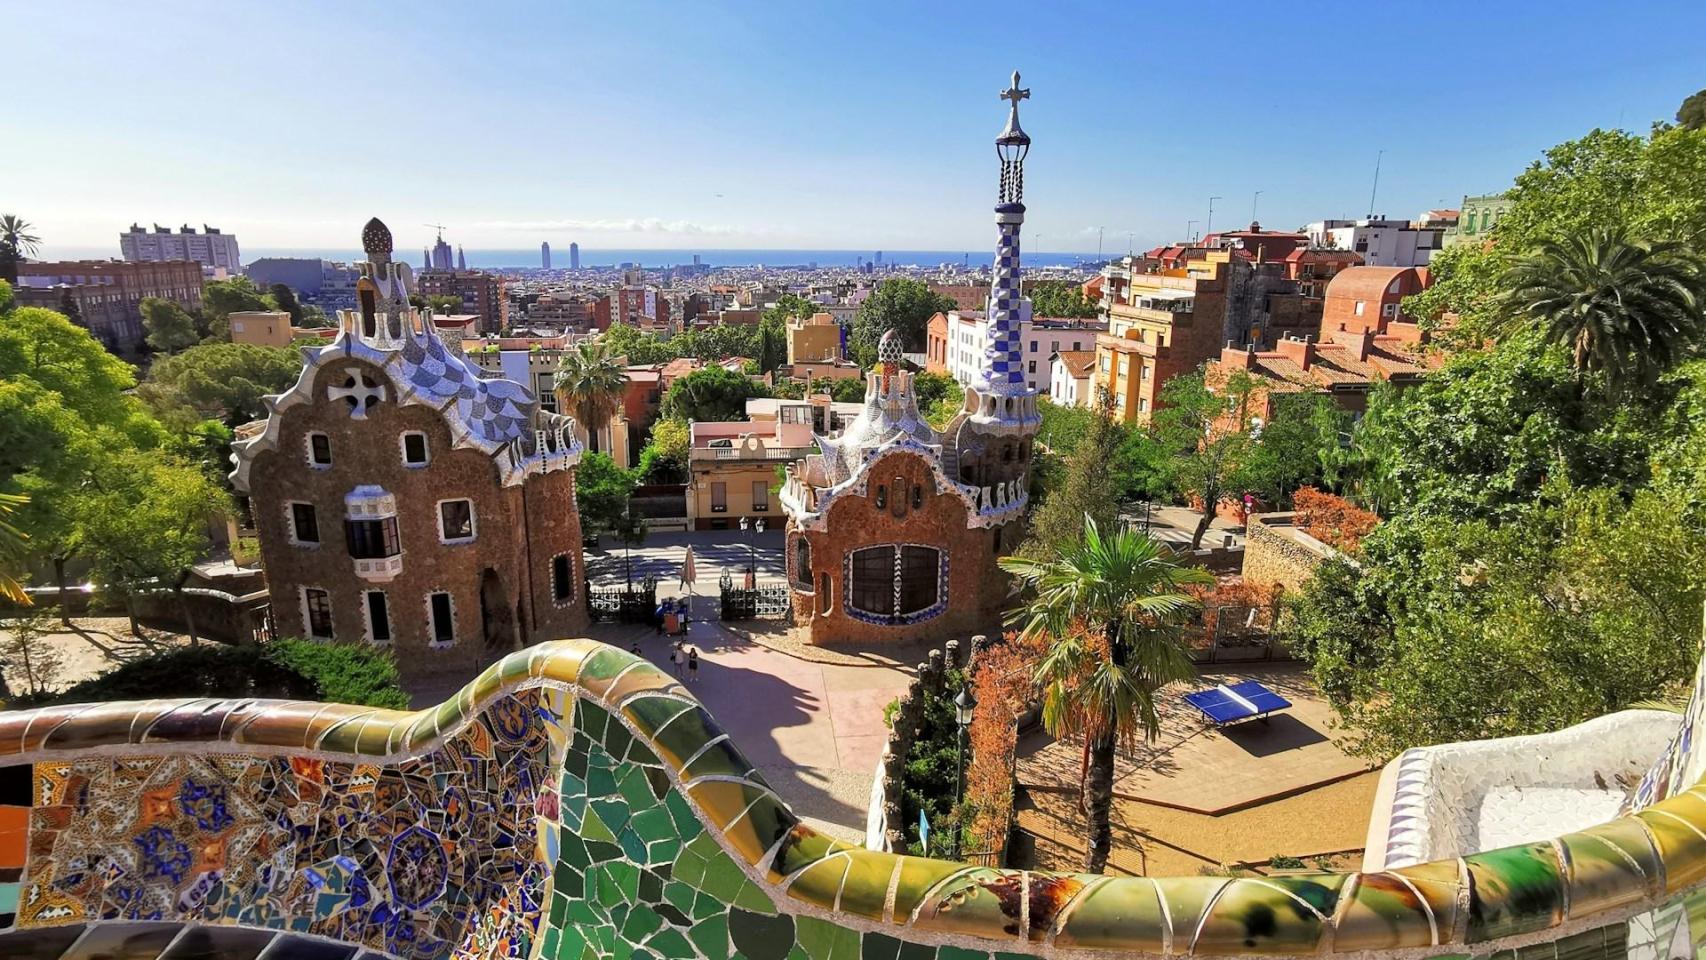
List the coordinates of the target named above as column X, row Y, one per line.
column 1276, row 553
column 576, row 801
column 931, row 679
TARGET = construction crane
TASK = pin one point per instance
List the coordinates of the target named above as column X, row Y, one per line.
column 437, row 226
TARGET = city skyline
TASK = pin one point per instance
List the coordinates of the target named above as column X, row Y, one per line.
column 799, row 153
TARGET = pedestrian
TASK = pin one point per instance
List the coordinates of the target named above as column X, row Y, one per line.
column 635, row 648
column 675, row 660
column 692, row 664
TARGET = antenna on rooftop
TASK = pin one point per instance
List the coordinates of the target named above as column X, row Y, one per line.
column 1376, row 188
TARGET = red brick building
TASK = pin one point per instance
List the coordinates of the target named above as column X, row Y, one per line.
column 481, row 293
column 404, row 501
column 1370, row 298
column 108, row 294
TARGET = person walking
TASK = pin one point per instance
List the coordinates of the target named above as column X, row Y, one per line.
column 692, row 664
column 675, row 659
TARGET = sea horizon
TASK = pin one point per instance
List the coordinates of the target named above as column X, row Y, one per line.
column 528, row 259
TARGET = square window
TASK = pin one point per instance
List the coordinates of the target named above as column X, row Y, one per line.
column 317, row 613
column 760, row 496
column 304, row 525
column 378, row 617
column 319, row 450
column 456, row 521
column 442, row 614
column 415, row 449
column 719, row 497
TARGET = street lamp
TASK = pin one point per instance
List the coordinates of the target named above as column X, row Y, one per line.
column 756, row 527
column 964, row 705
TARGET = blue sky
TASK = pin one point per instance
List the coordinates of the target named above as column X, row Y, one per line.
column 797, row 125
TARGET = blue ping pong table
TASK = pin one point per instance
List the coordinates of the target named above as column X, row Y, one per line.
column 1240, row 701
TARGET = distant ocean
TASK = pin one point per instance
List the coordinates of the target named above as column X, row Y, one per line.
column 596, row 257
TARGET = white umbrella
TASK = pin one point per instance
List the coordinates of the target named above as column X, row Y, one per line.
column 689, row 574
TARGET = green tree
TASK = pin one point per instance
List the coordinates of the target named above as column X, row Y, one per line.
column 1206, row 433
column 1111, row 607
column 13, row 544
column 221, row 298
column 443, row 304
column 222, row 381
column 848, row 390
column 900, row 304
column 1058, row 524
column 285, row 299
column 637, row 346
column 1627, row 309
column 314, row 318
column 170, row 327
column 711, row 394
column 665, row 457
column 1692, row 114
column 602, row 489
column 17, row 244
column 142, row 523
column 1058, row 298
column 939, row 397
column 591, row 381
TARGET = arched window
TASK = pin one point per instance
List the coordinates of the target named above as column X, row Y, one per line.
column 895, row 583
column 823, row 584
column 882, row 496
column 802, row 562
column 917, row 496
column 1007, row 453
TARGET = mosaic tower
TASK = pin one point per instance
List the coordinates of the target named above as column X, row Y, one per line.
column 895, row 527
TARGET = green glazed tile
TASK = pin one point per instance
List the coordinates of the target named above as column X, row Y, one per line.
column 1122, row 914
column 1514, row 890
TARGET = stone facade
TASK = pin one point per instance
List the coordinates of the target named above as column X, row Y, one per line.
column 356, row 482
column 1278, row 554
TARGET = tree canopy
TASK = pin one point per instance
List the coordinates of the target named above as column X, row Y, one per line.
column 221, row 381
column 169, row 327
column 900, row 304
column 1058, row 298
column 710, row 394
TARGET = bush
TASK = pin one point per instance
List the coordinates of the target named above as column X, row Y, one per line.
column 1332, row 520
column 288, row 669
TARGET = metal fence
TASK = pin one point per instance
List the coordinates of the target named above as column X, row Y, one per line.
column 761, row 602
column 624, row 604
column 1230, row 634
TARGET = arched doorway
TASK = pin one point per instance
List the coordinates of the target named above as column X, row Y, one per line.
column 497, row 616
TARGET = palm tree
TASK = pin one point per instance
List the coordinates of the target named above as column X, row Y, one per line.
column 16, row 243
column 1112, row 606
column 1628, row 308
column 12, row 542
column 591, row 381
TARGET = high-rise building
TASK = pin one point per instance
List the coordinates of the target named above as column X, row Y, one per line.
column 481, row 294
column 106, row 295
column 574, row 256
column 545, row 255
column 461, row 261
column 859, row 565
column 440, row 254
column 210, row 248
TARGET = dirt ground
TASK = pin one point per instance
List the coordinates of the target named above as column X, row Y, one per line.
column 1159, row 841
column 88, row 648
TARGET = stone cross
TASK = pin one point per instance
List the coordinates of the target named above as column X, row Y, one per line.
column 360, row 393
column 1013, row 92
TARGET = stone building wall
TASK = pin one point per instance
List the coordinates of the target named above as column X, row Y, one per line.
column 518, row 530
column 976, row 588
column 1278, row 554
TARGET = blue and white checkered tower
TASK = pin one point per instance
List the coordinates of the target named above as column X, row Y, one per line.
column 1005, row 403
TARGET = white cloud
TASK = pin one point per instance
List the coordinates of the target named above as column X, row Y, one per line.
column 629, row 225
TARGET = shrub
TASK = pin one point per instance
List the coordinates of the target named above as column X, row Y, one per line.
column 288, row 669
column 1332, row 520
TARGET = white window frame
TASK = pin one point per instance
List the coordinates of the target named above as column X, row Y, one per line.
column 431, row 627
column 473, row 522
column 290, row 525
column 403, row 448
column 367, row 619
column 570, row 600
column 308, row 450
column 307, row 621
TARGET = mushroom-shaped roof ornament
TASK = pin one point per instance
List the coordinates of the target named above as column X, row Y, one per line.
column 888, row 349
column 376, row 238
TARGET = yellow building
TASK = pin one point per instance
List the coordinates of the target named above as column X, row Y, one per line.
column 817, row 337
column 263, row 328
column 732, row 466
column 1160, row 324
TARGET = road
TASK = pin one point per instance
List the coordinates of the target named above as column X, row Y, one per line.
column 715, row 552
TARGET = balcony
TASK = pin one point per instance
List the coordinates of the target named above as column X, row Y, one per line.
column 762, row 454
column 379, row 569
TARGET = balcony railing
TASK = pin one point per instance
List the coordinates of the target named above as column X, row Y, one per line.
column 379, row 568
column 764, row 453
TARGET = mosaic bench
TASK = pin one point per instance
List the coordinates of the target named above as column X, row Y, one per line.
column 576, row 802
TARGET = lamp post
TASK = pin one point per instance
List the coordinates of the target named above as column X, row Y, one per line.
column 964, row 704
column 756, row 527
column 627, row 549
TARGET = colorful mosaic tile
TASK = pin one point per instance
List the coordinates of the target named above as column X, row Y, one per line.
column 582, row 806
